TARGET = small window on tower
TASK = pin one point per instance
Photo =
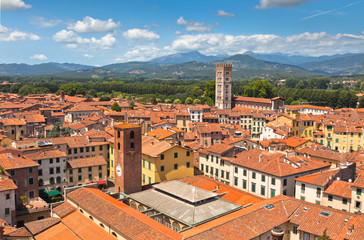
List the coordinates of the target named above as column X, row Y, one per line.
column 132, row 135
column 118, row 134
column 132, row 146
column 119, row 146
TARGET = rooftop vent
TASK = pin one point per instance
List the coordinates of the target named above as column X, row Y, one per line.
column 269, row 206
column 305, row 208
column 325, row 213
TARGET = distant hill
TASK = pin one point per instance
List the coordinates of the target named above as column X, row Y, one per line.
column 194, row 56
column 39, row 69
column 244, row 66
column 294, row 59
column 343, row 65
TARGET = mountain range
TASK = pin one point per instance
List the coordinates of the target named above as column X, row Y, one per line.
column 196, row 65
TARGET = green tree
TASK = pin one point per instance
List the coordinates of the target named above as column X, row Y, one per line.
column 361, row 102
column 25, row 90
column 132, row 104
column 189, row 100
column 259, row 88
column 104, row 98
column 91, row 93
column 197, row 101
column 210, row 89
column 300, row 101
column 167, row 100
column 289, row 101
column 177, row 101
column 209, row 102
column 324, row 236
column 115, row 107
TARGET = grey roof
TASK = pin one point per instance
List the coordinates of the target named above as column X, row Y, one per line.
column 182, row 210
column 184, row 191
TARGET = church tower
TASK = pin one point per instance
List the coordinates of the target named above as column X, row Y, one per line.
column 128, row 158
column 223, row 86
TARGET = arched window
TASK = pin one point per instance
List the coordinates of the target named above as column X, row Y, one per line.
column 132, row 135
column 51, row 180
column 59, row 179
column 176, row 226
column 118, row 146
column 81, row 211
column 114, row 234
column 102, row 225
column 40, row 182
column 132, row 146
column 90, row 217
column 118, row 134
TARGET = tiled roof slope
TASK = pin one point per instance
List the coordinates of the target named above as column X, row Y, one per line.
column 126, row 221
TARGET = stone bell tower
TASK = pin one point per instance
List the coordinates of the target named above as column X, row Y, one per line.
column 128, row 158
column 223, row 86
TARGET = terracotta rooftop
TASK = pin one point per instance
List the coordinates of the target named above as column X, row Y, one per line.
column 87, row 162
column 8, row 161
column 340, row 188
column 7, row 184
column 46, row 154
column 127, row 125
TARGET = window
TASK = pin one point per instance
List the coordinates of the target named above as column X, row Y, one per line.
column 90, row 169
column 357, row 204
column 102, row 225
column 51, row 170
column 57, row 160
column 100, row 148
column 272, row 193
column 31, row 181
column 12, row 172
column 90, row 177
column 207, row 169
column 79, row 178
column 162, row 168
column 149, row 180
column 30, row 170
column 59, row 180
column 318, row 202
column 88, row 148
column 253, row 187
column 162, row 156
column 284, row 182
column 100, row 168
column 100, row 175
column 263, row 178
column 285, row 192
column 132, row 135
column 7, row 211
column 202, row 167
column 188, row 153
column 79, row 170
column 345, row 201
column 244, row 184
column 114, row 234
column 81, row 149
column 176, row 166
column 143, row 178
column 40, row 172
column 318, row 192
column 358, row 191
column 303, row 188
column 222, row 173
column 7, row 196
column 187, row 164
column 143, row 161
column 253, row 175
column 295, row 230
column 235, row 181
column 75, row 151
column 227, row 175
column 149, row 165
column 58, row 170
column 262, row 190
column 302, row 198
column 71, row 179
column 273, row 181
column 175, row 155
column 51, row 160
column 236, row 170
column 330, row 198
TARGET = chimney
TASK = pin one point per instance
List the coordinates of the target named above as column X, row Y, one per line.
column 277, row 233
column 260, row 157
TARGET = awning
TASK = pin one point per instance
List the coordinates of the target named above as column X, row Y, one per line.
column 101, row 182
column 53, row 193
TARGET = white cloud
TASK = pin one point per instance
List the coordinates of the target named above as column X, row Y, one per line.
column 13, row 5
column 38, row 57
column 222, row 13
column 91, row 25
column 145, row 52
column 265, row 4
column 141, row 34
column 156, row 25
column 194, row 26
column 178, row 32
column 86, row 55
column 74, row 40
column 7, row 35
column 44, row 23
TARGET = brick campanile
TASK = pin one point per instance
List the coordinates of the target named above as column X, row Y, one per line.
column 223, row 86
column 128, row 158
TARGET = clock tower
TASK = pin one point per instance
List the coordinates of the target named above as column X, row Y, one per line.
column 128, row 158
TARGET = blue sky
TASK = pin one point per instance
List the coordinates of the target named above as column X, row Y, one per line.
column 103, row 32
